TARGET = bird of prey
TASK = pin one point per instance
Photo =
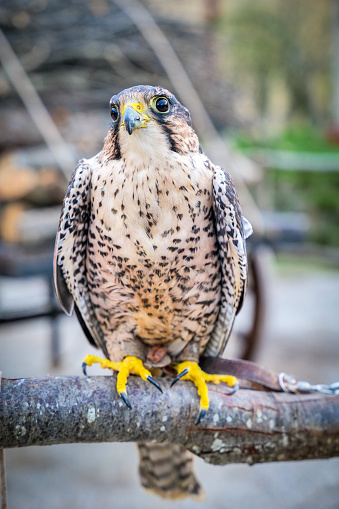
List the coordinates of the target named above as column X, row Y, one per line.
column 150, row 253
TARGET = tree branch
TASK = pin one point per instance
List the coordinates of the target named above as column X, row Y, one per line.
column 250, row 426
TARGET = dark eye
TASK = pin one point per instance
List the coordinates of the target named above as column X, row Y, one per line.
column 162, row 105
column 114, row 112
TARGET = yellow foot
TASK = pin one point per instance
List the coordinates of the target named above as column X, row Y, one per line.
column 191, row 371
column 130, row 365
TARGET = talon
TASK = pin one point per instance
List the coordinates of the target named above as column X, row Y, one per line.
column 234, row 389
column 130, row 365
column 201, row 416
column 183, row 373
column 84, row 368
column 126, row 400
column 151, row 379
column 191, row 371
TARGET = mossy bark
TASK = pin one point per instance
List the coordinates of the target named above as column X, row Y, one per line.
column 247, row 427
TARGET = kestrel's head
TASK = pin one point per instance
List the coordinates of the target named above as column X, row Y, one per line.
column 147, row 123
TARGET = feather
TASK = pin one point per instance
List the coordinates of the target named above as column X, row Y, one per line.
column 232, row 229
column 70, row 253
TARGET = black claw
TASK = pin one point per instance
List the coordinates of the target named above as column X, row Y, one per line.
column 234, row 389
column 150, row 379
column 126, row 400
column 84, row 368
column 201, row 416
column 183, row 373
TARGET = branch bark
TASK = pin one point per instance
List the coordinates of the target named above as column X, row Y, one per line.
column 248, row 427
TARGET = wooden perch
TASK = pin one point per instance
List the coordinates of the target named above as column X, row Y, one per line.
column 247, row 427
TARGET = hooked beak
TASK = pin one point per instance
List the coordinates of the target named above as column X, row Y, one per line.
column 132, row 119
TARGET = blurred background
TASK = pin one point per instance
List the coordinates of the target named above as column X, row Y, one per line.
column 262, row 82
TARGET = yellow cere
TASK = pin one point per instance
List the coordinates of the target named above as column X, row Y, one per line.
column 140, row 109
column 136, row 106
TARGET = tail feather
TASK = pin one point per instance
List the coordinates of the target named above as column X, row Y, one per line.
column 167, row 470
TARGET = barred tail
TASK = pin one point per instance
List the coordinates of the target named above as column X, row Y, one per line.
column 167, row 470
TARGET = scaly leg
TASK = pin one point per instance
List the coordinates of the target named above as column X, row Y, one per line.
column 189, row 370
column 130, row 365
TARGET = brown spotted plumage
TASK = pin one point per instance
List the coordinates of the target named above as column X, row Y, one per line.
column 150, row 247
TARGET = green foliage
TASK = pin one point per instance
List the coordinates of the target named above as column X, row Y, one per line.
column 297, row 138
column 315, row 193
column 285, row 42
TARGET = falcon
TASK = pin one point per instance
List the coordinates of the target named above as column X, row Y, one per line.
column 151, row 255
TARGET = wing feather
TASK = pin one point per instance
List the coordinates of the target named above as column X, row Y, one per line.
column 232, row 229
column 70, row 253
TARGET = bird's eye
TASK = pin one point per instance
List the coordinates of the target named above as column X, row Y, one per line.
column 114, row 112
column 161, row 105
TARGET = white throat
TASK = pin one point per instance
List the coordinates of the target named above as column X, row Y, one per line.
column 146, row 146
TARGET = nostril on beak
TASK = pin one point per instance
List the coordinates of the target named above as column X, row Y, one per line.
column 132, row 119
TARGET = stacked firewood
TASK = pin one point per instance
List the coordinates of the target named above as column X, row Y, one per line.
column 30, row 197
column 78, row 54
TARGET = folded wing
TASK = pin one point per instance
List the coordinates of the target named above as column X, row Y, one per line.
column 232, row 229
column 70, row 254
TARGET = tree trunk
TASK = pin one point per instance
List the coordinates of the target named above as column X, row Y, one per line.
column 247, row 427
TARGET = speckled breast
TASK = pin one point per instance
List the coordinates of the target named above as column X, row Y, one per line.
column 152, row 257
